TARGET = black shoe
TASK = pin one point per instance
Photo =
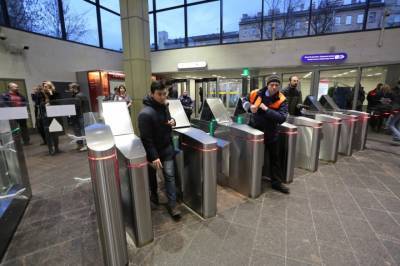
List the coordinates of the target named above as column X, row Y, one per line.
column 154, row 199
column 174, row 212
column 280, row 187
column 52, row 152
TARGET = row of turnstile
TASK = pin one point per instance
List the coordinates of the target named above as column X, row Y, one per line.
column 209, row 151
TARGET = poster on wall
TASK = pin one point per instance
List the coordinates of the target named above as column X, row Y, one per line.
column 323, row 87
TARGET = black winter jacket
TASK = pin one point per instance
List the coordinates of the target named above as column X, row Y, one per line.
column 155, row 133
column 294, row 98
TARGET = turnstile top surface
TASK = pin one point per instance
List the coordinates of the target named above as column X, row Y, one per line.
column 99, row 137
column 244, row 130
column 131, row 147
column 303, row 121
column 286, row 127
column 198, row 136
column 357, row 113
column 344, row 116
column 178, row 113
column 327, row 118
column 116, row 115
column 218, row 110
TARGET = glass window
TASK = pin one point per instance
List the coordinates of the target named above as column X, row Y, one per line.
column 193, row 1
column 81, row 22
column 151, row 26
column 360, row 18
column 324, row 13
column 304, row 85
column 348, row 20
column 378, row 7
column 160, row 4
column 285, row 14
column 150, row 5
column 337, row 21
column 171, row 29
column 241, row 20
column 41, row 16
column 1, row 16
column 339, row 84
column 111, row 4
column 204, row 24
column 112, row 33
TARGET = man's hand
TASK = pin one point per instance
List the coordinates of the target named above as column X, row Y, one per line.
column 253, row 108
column 157, row 164
column 172, row 122
column 263, row 107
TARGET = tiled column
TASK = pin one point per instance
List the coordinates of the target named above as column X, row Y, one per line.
column 136, row 46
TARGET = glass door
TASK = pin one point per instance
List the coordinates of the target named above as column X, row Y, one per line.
column 229, row 91
column 305, row 81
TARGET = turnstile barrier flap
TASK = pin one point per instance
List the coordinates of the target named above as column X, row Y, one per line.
column 303, row 121
column 218, row 110
column 116, row 115
column 131, row 148
column 178, row 113
column 99, row 137
column 328, row 102
column 199, row 136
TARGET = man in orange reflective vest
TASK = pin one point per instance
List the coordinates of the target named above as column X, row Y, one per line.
column 269, row 108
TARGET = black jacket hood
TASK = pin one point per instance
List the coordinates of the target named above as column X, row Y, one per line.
column 149, row 101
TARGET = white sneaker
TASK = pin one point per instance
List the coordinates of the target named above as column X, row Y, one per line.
column 84, row 148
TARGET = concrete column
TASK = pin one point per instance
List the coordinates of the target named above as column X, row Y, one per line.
column 136, row 46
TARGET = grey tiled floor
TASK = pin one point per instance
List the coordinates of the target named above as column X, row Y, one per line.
column 346, row 213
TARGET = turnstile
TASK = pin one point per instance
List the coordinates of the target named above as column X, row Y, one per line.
column 133, row 172
column 246, row 148
column 196, row 164
column 361, row 125
column 107, row 193
column 308, row 141
column 287, row 150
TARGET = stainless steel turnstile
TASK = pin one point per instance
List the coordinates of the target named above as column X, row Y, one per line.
column 133, row 172
column 361, row 125
column 287, row 150
column 196, row 164
column 308, row 142
column 107, row 194
column 246, row 156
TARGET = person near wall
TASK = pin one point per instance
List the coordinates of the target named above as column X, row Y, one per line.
column 50, row 96
column 293, row 96
column 172, row 92
column 122, row 96
column 201, row 95
column 81, row 107
column 155, row 126
column 13, row 98
column 394, row 124
column 187, row 103
column 373, row 99
column 37, row 98
column 269, row 108
column 384, row 107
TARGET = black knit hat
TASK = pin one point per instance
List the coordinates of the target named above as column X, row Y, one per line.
column 273, row 78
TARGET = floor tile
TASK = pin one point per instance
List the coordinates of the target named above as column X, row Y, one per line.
column 383, row 224
column 262, row 258
column 365, row 199
column 391, row 203
column 337, row 257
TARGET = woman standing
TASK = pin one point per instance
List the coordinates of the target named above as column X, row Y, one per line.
column 50, row 94
column 122, row 96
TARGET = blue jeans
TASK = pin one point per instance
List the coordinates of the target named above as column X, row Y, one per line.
column 169, row 176
column 394, row 126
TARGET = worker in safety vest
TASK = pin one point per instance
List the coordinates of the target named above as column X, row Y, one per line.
column 269, row 108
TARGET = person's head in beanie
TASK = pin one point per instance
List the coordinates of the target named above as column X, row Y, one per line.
column 273, row 84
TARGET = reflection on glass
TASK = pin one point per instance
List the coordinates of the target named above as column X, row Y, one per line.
column 160, row 4
column 376, row 13
column 290, row 18
column 151, row 26
column 111, row 4
column 204, row 24
column 40, row 16
column 111, row 27
column 229, row 91
column 333, row 16
column 339, row 84
column 241, row 20
column 81, row 22
column 171, row 29
column 305, row 79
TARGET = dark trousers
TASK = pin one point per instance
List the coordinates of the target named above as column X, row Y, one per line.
column 24, row 130
column 40, row 128
column 272, row 167
column 78, row 127
column 169, row 175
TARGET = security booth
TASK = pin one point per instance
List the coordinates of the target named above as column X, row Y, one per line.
column 361, row 125
column 132, row 167
column 196, row 164
column 246, row 147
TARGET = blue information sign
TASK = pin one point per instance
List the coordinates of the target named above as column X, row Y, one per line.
column 324, row 58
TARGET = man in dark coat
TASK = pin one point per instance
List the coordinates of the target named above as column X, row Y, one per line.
column 269, row 109
column 155, row 126
column 293, row 96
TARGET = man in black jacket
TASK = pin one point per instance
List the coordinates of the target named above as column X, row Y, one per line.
column 155, row 126
column 269, row 109
column 293, row 96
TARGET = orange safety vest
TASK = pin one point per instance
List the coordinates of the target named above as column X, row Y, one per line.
column 257, row 100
